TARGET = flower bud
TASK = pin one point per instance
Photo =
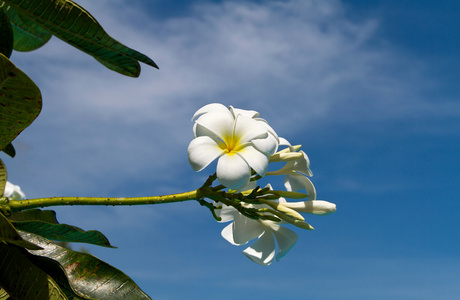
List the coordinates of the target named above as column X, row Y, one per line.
column 289, row 212
column 285, row 156
column 317, row 207
column 303, row 225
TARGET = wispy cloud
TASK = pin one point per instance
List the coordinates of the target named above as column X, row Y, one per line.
column 301, row 61
column 306, row 55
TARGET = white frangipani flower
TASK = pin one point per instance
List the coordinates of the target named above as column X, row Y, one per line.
column 244, row 229
column 13, row 192
column 243, row 143
column 237, row 138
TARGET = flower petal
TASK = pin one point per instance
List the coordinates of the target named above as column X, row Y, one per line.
column 247, row 113
column 301, row 165
column 247, row 129
column 209, row 108
column 255, row 159
column 263, row 250
column 269, row 128
column 245, row 229
column 227, row 233
column 233, row 171
column 217, row 123
column 284, row 142
column 285, row 238
column 268, row 145
column 202, row 151
column 226, row 213
column 295, row 182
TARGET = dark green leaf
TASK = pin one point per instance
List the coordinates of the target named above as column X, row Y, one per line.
column 9, row 149
column 3, row 178
column 6, row 34
column 63, row 232
column 22, row 279
column 9, row 234
column 89, row 276
column 48, row 216
column 20, row 101
column 74, row 25
column 44, row 223
column 55, row 292
column 54, row 269
column 28, row 35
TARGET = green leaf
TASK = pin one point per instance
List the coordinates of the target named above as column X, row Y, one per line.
column 20, row 101
column 48, row 216
column 89, row 276
column 44, row 223
column 9, row 149
column 55, row 292
column 28, row 35
column 3, row 178
column 9, row 234
column 64, row 232
column 55, row 270
column 22, row 279
column 6, row 35
column 77, row 27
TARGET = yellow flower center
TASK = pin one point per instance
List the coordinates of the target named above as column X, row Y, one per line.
column 230, row 145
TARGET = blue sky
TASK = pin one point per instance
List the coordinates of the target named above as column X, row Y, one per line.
column 369, row 88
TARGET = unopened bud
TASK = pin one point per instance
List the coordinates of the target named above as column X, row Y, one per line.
column 317, row 207
column 303, row 225
column 280, row 156
column 289, row 212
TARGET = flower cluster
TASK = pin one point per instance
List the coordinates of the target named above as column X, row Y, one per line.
column 244, row 229
column 245, row 145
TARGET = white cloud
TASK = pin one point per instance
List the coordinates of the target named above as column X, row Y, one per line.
column 303, row 61
column 302, row 54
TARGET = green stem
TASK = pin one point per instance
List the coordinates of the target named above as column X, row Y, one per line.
column 61, row 201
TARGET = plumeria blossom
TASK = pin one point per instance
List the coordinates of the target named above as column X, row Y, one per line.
column 239, row 139
column 244, row 145
column 13, row 192
column 243, row 229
